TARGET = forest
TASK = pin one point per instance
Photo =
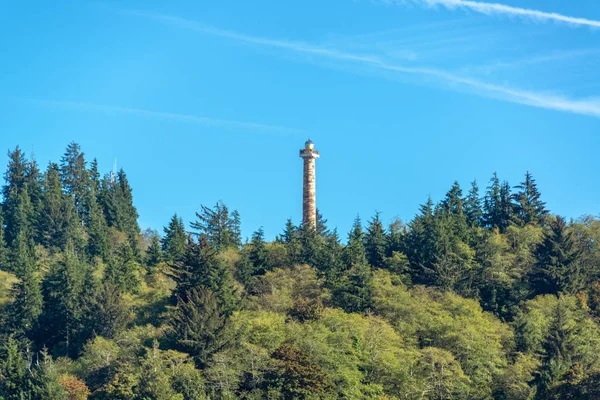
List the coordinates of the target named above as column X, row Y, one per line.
column 482, row 295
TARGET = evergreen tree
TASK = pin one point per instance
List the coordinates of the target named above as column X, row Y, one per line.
column 75, row 176
column 236, row 230
column 353, row 292
column 421, row 243
column 123, row 269
column 62, row 318
column 45, row 384
column 557, row 268
column 258, row 253
column 58, row 222
column 154, row 252
column 97, row 228
column 491, row 205
column 94, row 176
column 201, row 266
column 127, row 214
column 321, row 227
column 310, row 246
column 200, row 325
column 174, row 242
column 375, row 242
column 27, row 306
column 116, row 199
column 3, row 250
column 355, row 252
column 13, row 371
column 472, row 206
column 529, row 208
column 221, row 229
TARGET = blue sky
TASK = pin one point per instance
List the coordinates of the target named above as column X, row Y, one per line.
column 201, row 101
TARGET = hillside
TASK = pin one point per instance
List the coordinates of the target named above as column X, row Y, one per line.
column 484, row 295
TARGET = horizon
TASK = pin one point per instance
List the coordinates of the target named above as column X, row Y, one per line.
column 201, row 103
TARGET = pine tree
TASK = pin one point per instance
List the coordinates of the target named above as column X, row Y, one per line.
column 375, row 242
column 58, row 221
column 45, row 384
column 13, row 371
column 421, row 243
column 3, row 250
column 123, row 269
column 116, row 199
column 221, row 230
column 94, row 176
column 557, row 268
column 355, row 252
column 18, row 214
column 529, row 208
column 127, row 213
column 202, row 267
column 154, row 253
column 472, row 206
column 97, row 228
column 321, row 227
column 200, row 325
column 27, row 306
column 353, row 291
column 62, row 318
column 174, row 242
column 75, row 176
column 258, row 253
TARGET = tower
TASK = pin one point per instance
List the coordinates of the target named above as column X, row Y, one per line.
column 309, row 201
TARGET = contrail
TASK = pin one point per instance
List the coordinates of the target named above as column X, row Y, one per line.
column 183, row 118
column 541, row 100
column 502, row 9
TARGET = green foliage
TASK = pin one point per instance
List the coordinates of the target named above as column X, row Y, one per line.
column 174, row 241
column 221, row 229
column 474, row 298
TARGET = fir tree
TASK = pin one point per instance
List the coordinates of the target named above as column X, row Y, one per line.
column 200, row 324
column 529, row 208
column 13, row 371
column 174, row 242
column 421, row 243
column 375, row 242
column 62, row 318
column 353, row 291
column 221, row 230
column 201, row 266
column 321, row 227
column 58, row 221
column 258, row 253
column 3, row 250
column 472, row 206
column 75, row 176
column 154, row 253
column 127, row 214
column 28, row 300
column 45, row 384
column 123, row 269
column 557, row 268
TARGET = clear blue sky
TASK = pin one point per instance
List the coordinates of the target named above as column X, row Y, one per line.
column 201, row 101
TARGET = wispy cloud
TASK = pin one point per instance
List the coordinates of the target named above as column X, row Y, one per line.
column 502, row 9
column 590, row 106
column 558, row 55
column 168, row 116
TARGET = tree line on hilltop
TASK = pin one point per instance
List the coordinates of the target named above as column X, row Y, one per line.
column 481, row 296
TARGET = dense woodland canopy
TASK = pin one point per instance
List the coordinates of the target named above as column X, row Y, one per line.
column 483, row 295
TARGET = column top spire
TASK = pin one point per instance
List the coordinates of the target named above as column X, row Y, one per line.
column 309, row 150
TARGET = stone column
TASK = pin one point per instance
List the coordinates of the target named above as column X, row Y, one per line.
column 309, row 201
